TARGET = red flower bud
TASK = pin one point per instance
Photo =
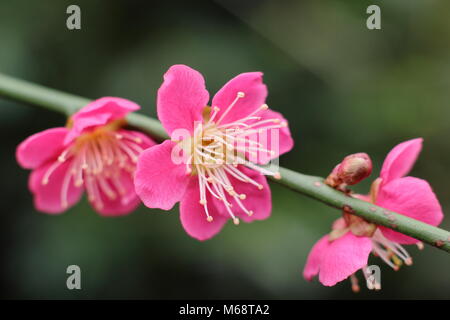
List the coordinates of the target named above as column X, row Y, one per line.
column 354, row 168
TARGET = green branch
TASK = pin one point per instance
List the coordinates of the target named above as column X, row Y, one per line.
column 311, row 186
column 315, row 188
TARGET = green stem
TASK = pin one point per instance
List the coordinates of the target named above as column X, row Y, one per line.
column 315, row 188
column 41, row 96
column 311, row 186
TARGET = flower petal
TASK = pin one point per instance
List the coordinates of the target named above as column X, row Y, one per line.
column 255, row 92
column 279, row 140
column 98, row 113
column 41, row 147
column 344, row 256
column 412, row 197
column 120, row 204
column 315, row 257
column 159, row 181
column 48, row 197
column 193, row 215
column 400, row 160
column 181, row 98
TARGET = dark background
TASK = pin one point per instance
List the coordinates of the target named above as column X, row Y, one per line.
column 344, row 89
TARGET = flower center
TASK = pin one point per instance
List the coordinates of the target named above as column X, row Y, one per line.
column 354, row 224
column 217, row 150
column 97, row 160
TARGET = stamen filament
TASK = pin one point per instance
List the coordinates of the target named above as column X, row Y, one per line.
column 238, row 96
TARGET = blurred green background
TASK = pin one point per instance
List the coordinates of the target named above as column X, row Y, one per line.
column 344, row 89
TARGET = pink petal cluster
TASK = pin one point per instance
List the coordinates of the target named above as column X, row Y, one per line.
column 335, row 258
column 216, row 181
column 93, row 154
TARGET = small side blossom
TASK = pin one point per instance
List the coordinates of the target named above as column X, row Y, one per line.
column 346, row 249
column 93, row 154
column 219, row 173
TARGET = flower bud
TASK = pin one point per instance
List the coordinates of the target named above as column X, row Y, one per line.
column 353, row 169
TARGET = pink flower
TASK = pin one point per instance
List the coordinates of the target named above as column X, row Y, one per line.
column 346, row 249
column 92, row 153
column 213, row 179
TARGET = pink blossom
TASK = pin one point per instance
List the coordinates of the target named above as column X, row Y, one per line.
column 214, row 180
column 92, row 153
column 346, row 249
